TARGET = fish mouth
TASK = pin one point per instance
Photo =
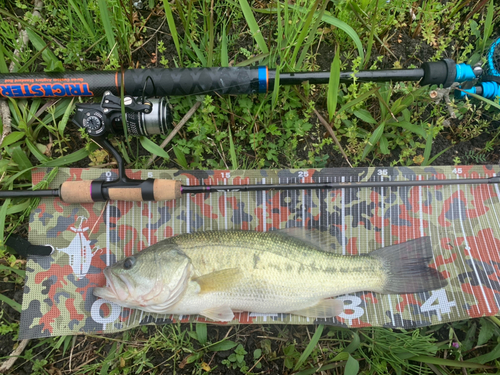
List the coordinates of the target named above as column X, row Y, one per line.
column 118, row 288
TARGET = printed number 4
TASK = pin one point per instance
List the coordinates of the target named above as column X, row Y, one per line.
column 438, row 302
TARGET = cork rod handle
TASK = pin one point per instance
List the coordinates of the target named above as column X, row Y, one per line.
column 82, row 192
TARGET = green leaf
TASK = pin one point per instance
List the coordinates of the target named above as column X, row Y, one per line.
column 305, row 28
column 373, row 139
column 333, row 85
column 180, row 157
column 89, row 26
column 71, row 158
column 194, row 357
column 276, row 89
column 488, row 27
column 3, row 214
column 348, row 30
column 359, row 99
column 16, row 306
column 488, row 101
column 19, row 207
column 428, row 146
column 198, row 52
column 152, row 147
column 310, row 347
column 21, row 273
column 53, row 63
column 354, row 345
column 64, row 121
column 172, row 27
column 257, row 353
column 489, row 357
column 232, row 151
column 364, row 115
column 447, row 362
column 334, row 22
column 21, row 159
column 106, row 21
column 222, row 346
column 36, row 152
column 224, row 57
column 417, row 129
column 201, row 331
column 3, row 65
column 12, row 138
column 342, row 356
column 351, row 367
column 253, row 26
column 486, row 332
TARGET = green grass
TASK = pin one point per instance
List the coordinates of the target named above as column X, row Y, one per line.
column 373, row 122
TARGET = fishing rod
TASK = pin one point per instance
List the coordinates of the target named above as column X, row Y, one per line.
column 223, row 81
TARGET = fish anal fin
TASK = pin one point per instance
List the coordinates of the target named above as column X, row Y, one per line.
column 219, row 313
column 326, row 308
column 219, row 280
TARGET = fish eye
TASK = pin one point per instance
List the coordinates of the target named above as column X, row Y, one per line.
column 128, row 263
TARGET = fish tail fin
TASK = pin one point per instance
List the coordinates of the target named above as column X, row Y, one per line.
column 407, row 267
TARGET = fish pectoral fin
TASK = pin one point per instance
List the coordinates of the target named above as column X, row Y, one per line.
column 219, row 280
column 326, row 308
column 219, row 313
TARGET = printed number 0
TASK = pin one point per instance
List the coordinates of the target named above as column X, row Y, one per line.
column 355, row 301
column 96, row 314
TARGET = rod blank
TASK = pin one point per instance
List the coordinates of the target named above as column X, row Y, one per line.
column 72, row 192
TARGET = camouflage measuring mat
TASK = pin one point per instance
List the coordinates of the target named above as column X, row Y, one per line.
column 463, row 222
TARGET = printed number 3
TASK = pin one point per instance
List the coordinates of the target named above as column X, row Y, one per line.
column 355, row 301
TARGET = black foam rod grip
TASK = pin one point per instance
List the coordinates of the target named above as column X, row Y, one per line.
column 194, row 81
column 161, row 82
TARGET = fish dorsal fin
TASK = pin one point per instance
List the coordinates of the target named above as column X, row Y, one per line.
column 219, row 313
column 326, row 308
column 320, row 239
column 219, row 280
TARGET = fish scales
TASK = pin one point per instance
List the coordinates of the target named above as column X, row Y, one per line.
column 216, row 273
column 271, row 258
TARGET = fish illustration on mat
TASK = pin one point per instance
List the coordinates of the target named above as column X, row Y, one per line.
column 217, row 273
column 79, row 250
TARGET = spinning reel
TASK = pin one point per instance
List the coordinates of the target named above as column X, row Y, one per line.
column 143, row 117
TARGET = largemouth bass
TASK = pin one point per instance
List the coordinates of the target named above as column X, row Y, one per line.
column 217, row 273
